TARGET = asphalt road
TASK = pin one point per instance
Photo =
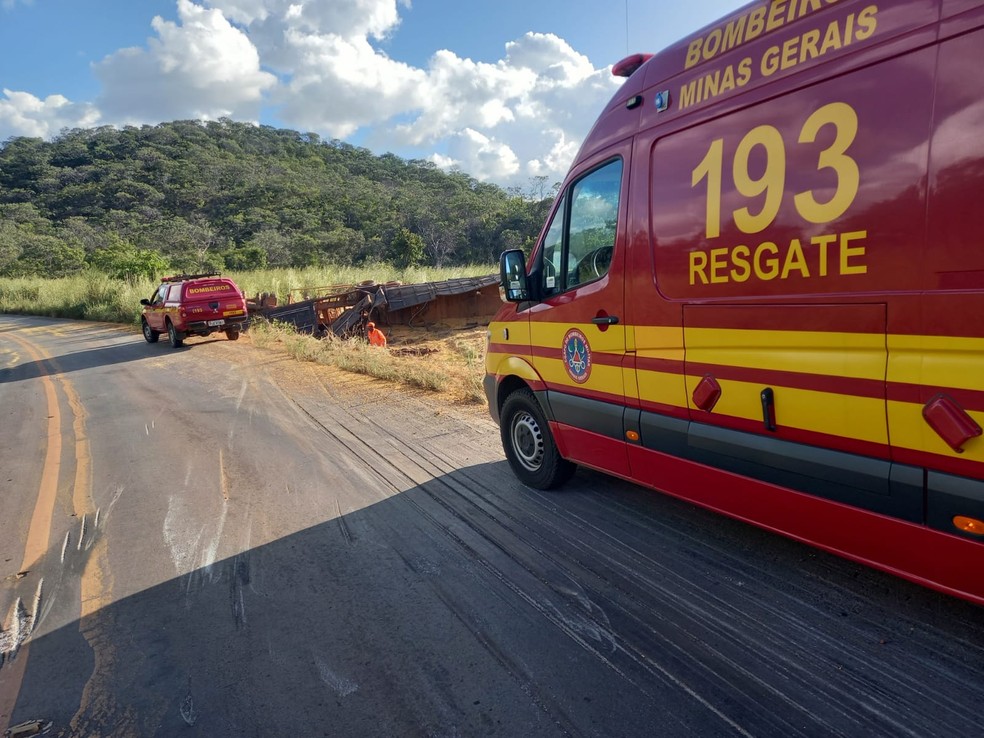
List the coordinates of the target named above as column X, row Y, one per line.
column 218, row 541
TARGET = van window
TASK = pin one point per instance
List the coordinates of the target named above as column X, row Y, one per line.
column 578, row 245
column 553, row 249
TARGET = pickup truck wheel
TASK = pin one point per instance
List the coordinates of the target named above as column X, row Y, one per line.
column 232, row 334
column 175, row 337
column 149, row 333
column 529, row 446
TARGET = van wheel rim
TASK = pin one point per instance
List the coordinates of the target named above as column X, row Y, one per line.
column 527, row 441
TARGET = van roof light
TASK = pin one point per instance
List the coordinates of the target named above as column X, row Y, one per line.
column 629, row 64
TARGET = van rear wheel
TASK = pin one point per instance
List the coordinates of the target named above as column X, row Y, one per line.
column 232, row 334
column 529, row 446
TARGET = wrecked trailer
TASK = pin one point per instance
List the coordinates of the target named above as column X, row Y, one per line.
column 344, row 310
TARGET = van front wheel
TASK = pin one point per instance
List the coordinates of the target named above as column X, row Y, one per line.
column 529, row 447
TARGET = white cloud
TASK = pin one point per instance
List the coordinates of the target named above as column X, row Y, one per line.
column 23, row 114
column 201, row 67
column 522, row 116
column 505, row 121
column 558, row 158
column 349, row 18
column 479, row 156
column 538, row 102
column 341, row 84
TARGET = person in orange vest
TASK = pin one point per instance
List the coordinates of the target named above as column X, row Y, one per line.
column 375, row 336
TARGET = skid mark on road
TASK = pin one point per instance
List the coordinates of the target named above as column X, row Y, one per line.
column 339, row 685
column 223, row 478
column 181, row 549
column 19, row 625
column 192, row 557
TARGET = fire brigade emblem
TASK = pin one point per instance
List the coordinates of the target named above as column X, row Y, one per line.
column 577, row 356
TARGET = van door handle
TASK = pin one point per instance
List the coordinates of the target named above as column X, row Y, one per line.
column 605, row 320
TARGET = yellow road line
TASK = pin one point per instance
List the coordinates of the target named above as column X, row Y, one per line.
column 96, row 581
column 39, row 531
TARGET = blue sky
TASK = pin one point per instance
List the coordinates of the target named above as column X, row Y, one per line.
column 504, row 90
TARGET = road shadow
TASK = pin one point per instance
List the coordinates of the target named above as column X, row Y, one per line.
column 69, row 360
column 460, row 607
column 67, row 363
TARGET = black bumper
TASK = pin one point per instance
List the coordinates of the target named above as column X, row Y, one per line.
column 201, row 327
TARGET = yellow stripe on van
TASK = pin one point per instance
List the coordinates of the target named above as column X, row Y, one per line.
column 602, row 378
column 659, row 342
column 855, row 355
column 551, row 335
column 518, row 330
column 936, row 361
column 910, row 431
column 809, row 410
column 664, row 388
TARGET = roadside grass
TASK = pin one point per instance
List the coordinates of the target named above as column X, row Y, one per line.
column 85, row 296
column 283, row 282
column 356, row 356
column 92, row 295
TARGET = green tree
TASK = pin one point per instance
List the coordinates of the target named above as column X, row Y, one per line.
column 407, row 249
column 122, row 260
column 204, row 194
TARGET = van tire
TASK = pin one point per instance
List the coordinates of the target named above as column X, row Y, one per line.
column 175, row 337
column 232, row 334
column 149, row 333
column 529, row 446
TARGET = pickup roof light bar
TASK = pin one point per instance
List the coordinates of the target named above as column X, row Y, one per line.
column 184, row 277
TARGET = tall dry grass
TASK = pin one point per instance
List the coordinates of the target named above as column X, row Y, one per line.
column 92, row 295
column 350, row 355
column 84, row 296
column 282, row 282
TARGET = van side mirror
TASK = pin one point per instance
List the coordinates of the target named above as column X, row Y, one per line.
column 512, row 276
column 145, row 301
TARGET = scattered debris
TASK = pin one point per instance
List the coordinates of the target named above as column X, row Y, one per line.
column 345, row 310
column 413, row 351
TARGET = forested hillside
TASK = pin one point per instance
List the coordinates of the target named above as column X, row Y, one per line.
column 187, row 196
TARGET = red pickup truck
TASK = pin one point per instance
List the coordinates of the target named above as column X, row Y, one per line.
column 193, row 305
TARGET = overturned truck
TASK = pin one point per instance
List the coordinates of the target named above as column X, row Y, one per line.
column 344, row 310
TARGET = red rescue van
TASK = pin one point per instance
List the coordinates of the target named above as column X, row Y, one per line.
column 761, row 287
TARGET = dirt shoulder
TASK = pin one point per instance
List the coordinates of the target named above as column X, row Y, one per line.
column 457, row 353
